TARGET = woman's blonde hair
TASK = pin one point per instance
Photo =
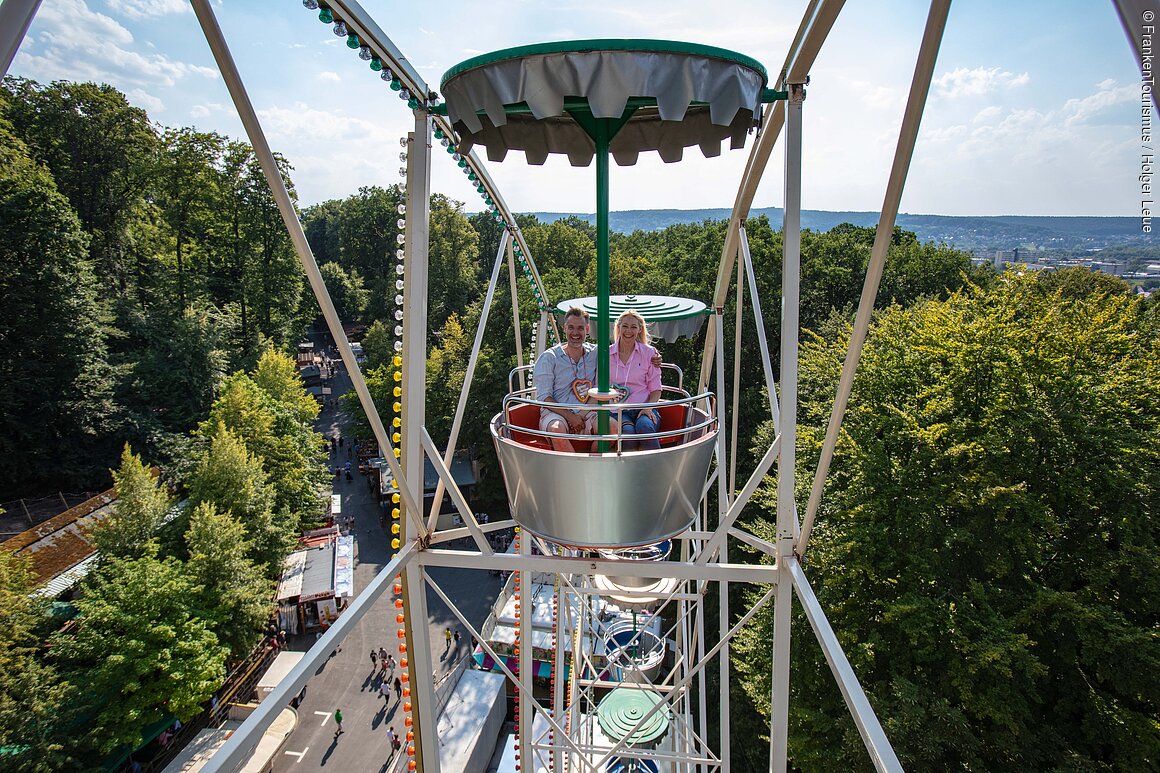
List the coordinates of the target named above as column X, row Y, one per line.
column 644, row 336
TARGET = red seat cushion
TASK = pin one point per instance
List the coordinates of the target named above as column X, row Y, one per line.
column 672, row 417
column 528, row 417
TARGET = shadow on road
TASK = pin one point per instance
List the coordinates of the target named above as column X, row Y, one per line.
column 329, row 751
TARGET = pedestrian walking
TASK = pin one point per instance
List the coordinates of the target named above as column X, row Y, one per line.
column 374, row 659
column 338, row 721
column 383, row 658
column 447, row 638
column 398, row 688
column 394, row 740
column 456, row 637
column 385, row 690
column 390, row 663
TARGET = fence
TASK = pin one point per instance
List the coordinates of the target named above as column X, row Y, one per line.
column 23, row 514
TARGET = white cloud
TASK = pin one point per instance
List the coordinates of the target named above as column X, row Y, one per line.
column 143, row 99
column 978, row 81
column 987, row 114
column 1083, row 110
column 74, row 42
column 206, row 110
column 146, row 9
column 329, row 75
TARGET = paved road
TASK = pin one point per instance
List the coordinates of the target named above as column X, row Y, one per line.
column 347, row 681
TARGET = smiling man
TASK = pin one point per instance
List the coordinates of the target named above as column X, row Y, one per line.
column 563, row 375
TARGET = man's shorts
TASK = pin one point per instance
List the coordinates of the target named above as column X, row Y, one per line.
column 547, row 417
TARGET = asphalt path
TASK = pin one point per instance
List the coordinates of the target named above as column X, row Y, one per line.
column 348, row 681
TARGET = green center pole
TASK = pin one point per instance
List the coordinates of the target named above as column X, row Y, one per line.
column 604, row 130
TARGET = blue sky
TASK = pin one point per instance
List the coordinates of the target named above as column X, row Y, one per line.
column 1035, row 107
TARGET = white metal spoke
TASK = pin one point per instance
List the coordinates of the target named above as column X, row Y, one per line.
column 468, row 379
column 907, row 136
column 456, row 495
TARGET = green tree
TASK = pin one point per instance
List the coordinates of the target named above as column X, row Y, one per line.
column 179, row 359
column 142, row 503
column 138, row 653
column 100, row 150
column 277, row 375
column 986, row 545
column 232, row 479
column 235, row 591
column 187, row 190
column 367, row 245
column 32, row 696
column 379, row 345
column 276, row 431
column 58, row 408
column 454, row 246
column 346, row 291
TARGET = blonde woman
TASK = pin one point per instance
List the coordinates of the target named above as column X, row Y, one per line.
column 634, row 365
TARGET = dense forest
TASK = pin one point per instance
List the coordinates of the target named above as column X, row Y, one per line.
column 986, row 547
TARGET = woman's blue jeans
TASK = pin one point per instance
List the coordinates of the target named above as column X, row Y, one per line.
column 637, row 422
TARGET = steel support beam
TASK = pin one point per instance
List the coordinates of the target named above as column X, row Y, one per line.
column 907, row 136
column 469, row 377
column 241, row 744
column 15, row 18
column 269, row 164
column 881, row 752
column 787, row 426
column 414, row 417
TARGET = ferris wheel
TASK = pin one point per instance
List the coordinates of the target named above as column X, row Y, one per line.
column 603, row 637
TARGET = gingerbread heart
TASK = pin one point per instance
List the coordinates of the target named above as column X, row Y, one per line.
column 580, row 388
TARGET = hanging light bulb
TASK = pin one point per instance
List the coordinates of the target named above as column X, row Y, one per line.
column 352, row 41
column 364, row 53
column 444, row 142
column 403, row 157
column 340, row 29
column 399, row 315
column 398, row 284
column 376, row 63
column 399, row 345
column 387, row 75
column 400, row 238
column 401, row 223
column 398, row 330
column 324, row 15
column 401, row 209
column 310, row 4
column 399, row 254
column 398, row 300
column 404, row 94
column 395, row 84
column 402, row 171
column 399, row 269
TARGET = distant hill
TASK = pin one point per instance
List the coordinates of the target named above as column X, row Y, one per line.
column 968, row 233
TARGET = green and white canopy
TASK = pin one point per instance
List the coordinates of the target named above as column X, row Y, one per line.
column 668, row 317
column 673, row 96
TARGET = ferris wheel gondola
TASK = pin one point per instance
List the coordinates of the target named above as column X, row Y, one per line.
column 602, row 99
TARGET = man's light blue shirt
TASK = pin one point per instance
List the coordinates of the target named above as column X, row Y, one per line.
column 555, row 372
